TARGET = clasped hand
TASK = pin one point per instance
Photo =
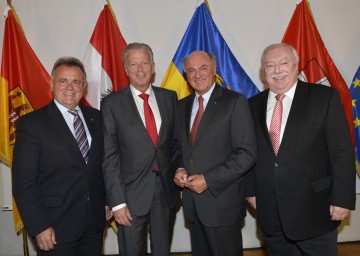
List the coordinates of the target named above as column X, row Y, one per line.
column 195, row 183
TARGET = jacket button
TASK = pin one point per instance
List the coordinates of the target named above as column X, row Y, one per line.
column 276, row 164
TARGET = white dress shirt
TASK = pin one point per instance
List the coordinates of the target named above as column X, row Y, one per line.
column 69, row 118
column 287, row 102
column 140, row 107
column 195, row 105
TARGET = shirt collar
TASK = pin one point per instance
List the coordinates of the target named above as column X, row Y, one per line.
column 207, row 95
column 136, row 92
column 290, row 93
column 63, row 109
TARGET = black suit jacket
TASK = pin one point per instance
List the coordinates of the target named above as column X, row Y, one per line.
column 130, row 156
column 51, row 180
column 314, row 167
column 223, row 151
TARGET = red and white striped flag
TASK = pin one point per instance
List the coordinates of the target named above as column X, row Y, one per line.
column 102, row 60
column 315, row 64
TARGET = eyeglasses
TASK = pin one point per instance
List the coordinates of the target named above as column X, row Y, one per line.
column 63, row 82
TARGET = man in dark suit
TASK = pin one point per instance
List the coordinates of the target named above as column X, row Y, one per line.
column 218, row 151
column 57, row 183
column 303, row 182
column 142, row 153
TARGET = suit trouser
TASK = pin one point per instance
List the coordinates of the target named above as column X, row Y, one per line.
column 89, row 244
column 215, row 241
column 277, row 244
column 160, row 220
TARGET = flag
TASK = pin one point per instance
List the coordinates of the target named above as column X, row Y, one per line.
column 355, row 95
column 102, row 60
column 25, row 87
column 202, row 34
column 316, row 65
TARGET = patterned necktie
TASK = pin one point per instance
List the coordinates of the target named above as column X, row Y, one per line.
column 197, row 120
column 149, row 119
column 275, row 125
column 80, row 134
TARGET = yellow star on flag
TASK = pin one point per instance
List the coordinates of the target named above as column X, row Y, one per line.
column 356, row 83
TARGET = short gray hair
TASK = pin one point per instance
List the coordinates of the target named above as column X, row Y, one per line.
column 279, row 45
column 137, row 46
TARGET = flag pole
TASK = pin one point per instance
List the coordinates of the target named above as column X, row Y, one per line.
column 25, row 242
column 23, row 230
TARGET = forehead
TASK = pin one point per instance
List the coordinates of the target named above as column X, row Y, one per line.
column 64, row 70
column 138, row 53
column 198, row 59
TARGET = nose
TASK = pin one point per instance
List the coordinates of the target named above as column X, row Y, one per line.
column 277, row 68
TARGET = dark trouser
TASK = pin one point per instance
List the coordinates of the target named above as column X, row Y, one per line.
column 133, row 240
column 89, row 244
column 217, row 241
column 278, row 245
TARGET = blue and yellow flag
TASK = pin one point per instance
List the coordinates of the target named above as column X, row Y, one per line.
column 202, row 34
column 355, row 95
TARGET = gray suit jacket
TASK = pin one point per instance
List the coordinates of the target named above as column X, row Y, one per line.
column 130, row 157
column 224, row 150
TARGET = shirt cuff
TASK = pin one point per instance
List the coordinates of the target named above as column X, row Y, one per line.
column 118, row 207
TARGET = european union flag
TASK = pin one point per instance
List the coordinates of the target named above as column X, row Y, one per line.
column 355, row 95
column 202, row 34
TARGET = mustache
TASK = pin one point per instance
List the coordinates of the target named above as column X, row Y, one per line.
column 279, row 75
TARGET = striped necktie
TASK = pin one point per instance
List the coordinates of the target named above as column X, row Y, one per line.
column 80, row 134
column 275, row 124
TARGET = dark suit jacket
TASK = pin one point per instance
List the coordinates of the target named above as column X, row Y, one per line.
column 224, row 150
column 50, row 177
column 314, row 167
column 130, row 156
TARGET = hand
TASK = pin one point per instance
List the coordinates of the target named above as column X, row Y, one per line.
column 46, row 239
column 252, row 201
column 196, row 183
column 180, row 177
column 108, row 213
column 123, row 216
column 338, row 213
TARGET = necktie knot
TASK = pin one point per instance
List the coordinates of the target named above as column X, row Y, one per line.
column 144, row 96
column 74, row 112
column 201, row 100
column 279, row 97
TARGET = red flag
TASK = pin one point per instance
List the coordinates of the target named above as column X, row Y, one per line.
column 316, row 65
column 25, row 86
column 103, row 63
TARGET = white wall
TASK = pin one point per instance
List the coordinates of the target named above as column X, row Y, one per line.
column 57, row 28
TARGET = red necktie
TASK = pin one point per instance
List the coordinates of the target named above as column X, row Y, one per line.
column 149, row 119
column 275, row 125
column 197, row 120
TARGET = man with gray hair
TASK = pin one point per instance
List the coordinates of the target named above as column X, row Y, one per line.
column 142, row 153
column 303, row 183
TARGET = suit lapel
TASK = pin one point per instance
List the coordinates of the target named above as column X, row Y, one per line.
column 262, row 118
column 90, row 124
column 296, row 113
column 160, row 100
column 58, row 122
column 188, row 109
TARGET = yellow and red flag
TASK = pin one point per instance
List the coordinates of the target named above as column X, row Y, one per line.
column 102, row 60
column 316, row 65
column 24, row 87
